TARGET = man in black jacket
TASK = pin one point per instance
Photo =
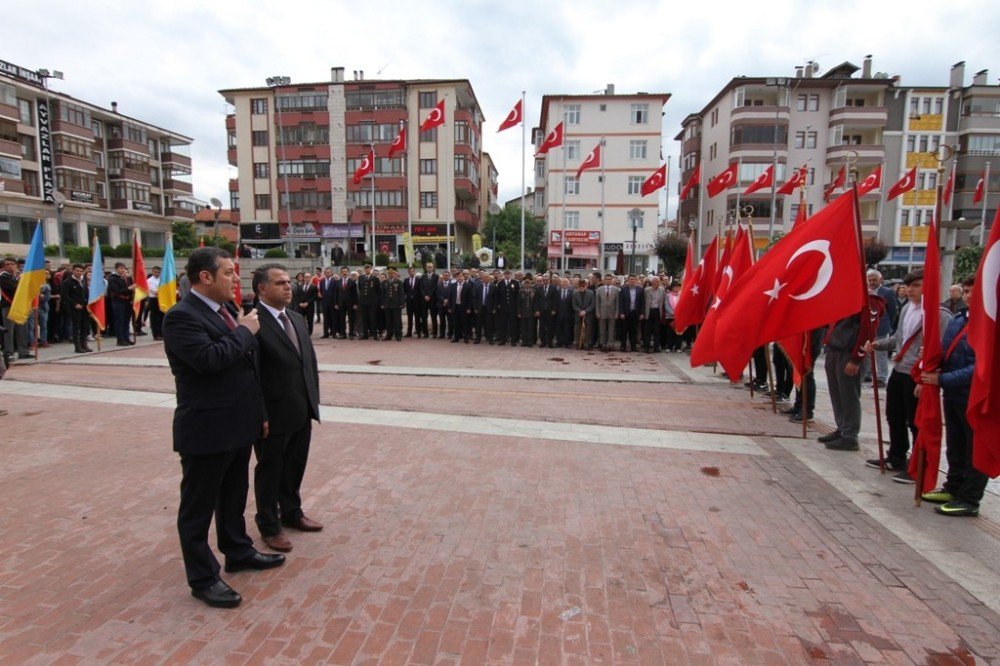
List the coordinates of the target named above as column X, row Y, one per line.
column 410, row 300
column 631, row 311
column 484, row 304
column 460, row 308
column 220, row 414
column 443, row 316
column 120, row 298
column 306, row 294
column 328, row 285
column 369, row 297
column 345, row 304
column 73, row 300
column 290, row 382
column 426, row 302
column 506, row 320
column 547, row 305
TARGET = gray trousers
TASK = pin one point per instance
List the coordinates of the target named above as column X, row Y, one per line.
column 606, row 331
column 881, row 364
column 15, row 338
column 845, row 394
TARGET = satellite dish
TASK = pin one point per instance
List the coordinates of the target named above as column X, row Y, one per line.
column 215, row 202
column 58, row 197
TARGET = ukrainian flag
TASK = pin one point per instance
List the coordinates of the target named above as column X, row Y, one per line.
column 166, row 294
column 31, row 281
column 95, row 296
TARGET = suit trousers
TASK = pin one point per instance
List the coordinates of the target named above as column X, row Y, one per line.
column 393, row 323
column 155, row 317
column 277, row 478
column 78, row 322
column 651, row 330
column 546, row 328
column 367, row 319
column 529, row 330
column 810, row 384
column 965, row 482
column 441, row 322
column 606, row 332
column 900, row 410
column 411, row 316
column 845, row 394
column 485, row 320
column 461, row 322
column 216, row 484
column 331, row 320
column 564, row 329
column 783, row 379
column 630, row 330
column 121, row 313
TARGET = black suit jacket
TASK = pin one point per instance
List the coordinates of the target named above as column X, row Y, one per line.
column 466, row 295
column 547, row 303
column 481, row 305
column 290, row 378
column 220, row 406
column 347, row 297
column 328, row 292
column 410, row 293
column 72, row 293
column 625, row 301
column 565, row 308
column 427, row 286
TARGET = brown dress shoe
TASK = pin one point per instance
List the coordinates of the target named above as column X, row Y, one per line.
column 304, row 524
column 278, row 542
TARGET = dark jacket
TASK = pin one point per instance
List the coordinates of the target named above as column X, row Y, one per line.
column 347, row 297
column 410, row 292
column 328, row 291
column 625, row 301
column 546, row 300
column 72, row 293
column 891, row 314
column 466, row 295
column 957, row 369
column 489, row 304
column 392, row 294
column 427, row 286
column 507, row 296
column 289, row 378
column 369, row 290
column 565, row 307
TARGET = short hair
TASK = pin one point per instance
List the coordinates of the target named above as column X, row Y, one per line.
column 10, row 259
column 262, row 275
column 367, row 264
column 969, row 281
column 204, row 259
column 156, row 268
column 915, row 276
column 874, row 273
column 119, row 264
column 80, row 266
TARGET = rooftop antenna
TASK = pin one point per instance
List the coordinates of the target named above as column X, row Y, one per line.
column 379, row 72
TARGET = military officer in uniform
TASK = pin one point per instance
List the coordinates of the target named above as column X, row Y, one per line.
column 392, row 305
column 506, row 324
column 527, row 317
column 368, row 304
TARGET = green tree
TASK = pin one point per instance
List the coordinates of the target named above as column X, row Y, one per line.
column 508, row 230
column 671, row 248
column 875, row 251
column 184, row 235
column 966, row 262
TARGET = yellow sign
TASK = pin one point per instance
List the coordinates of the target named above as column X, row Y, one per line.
column 477, row 243
column 408, row 247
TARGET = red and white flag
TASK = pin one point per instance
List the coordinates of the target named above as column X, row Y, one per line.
column 655, row 181
column 513, row 118
column 765, row 179
column 723, row 181
column 949, row 187
column 366, row 167
column 591, row 161
column 399, row 143
column 798, row 179
column 552, row 140
column 837, row 182
column 435, row 118
column 740, row 260
column 696, row 289
column 977, row 196
column 984, row 338
column 872, row 182
column 692, row 181
column 904, row 184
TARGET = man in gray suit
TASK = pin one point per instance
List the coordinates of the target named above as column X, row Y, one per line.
column 606, row 312
column 584, row 305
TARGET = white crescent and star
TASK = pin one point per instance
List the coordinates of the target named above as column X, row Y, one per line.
column 991, row 273
column 725, row 177
column 823, row 275
column 513, row 116
column 435, row 115
column 654, row 180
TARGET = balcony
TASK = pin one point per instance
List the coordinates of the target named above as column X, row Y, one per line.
column 130, row 174
column 234, row 185
column 867, row 154
column 73, row 162
column 859, row 116
column 231, row 121
column 465, row 187
column 10, row 112
column 176, row 211
column 231, row 156
column 466, row 217
column 12, row 186
column 70, row 128
column 176, row 160
column 11, row 148
column 755, row 152
column 691, row 145
column 177, row 185
column 125, row 144
column 759, row 114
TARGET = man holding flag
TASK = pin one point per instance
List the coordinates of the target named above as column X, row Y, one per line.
column 28, row 286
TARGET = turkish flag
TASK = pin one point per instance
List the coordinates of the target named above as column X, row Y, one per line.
column 949, row 187
column 723, row 181
column 237, row 292
column 399, row 143
column 927, row 418
column 904, row 185
column 552, row 140
column 809, row 278
column 801, row 214
column 765, row 179
column 740, row 260
column 692, row 181
column 696, row 289
column 798, row 179
column 727, row 250
column 366, row 167
column 435, row 118
column 837, row 182
column 513, row 118
column 656, row 180
column 984, row 338
column 977, row 196
column 872, row 182
column 591, row 161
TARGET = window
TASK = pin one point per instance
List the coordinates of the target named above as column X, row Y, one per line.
column 261, row 170
column 462, row 166
column 768, row 134
column 27, row 146
column 30, row 181
column 926, row 180
column 938, row 105
column 305, row 168
column 983, row 144
column 572, row 184
column 750, row 171
column 715, row 117
column 461, row 131
column 259, row 137
column 429, row 136
column 811, row 176
column 262, row 201
column 813, row 103
column 76, row 115
column 101, row 192
column 64, row 144
column 639, row 114
column 911, row 143
column 231, row 138
column 800, row 139
column 154, row 174
column 121, row 189
column 635, row 184
column 74, row 180
column 383, row 166
column 637, row 150
column 539, row 200
column 428, row 167
column 572, row 149
column 234, row 200
column 27, row 117
column 571, row 113
column 383, row 198
column 603, row 107
column 925, row 105
column 375, row 99
column 800, row 102
column 428, row 199
column 258, row 105
column 303, row 101
column 367, row 132
column 427, row 100
column 811, row 139
column 914, row 107
column 571, row 219
column 539, row 168
column 713, row 151
column 303, row 134
column 306, row 200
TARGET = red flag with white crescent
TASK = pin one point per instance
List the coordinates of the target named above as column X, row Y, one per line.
column 399, row 143
column 949, row 187
column 739, row 261
column 837, row 182
column 723, row 181
column 655, row 181
column 513, row 118
column 696, row 290
column 984, row 338
column 763, row 180
column 977, row 196
column 553, row 139
column 366, row 167
column 903, row 185
column 798, row 179
column 591, row 161
column 872, row 182
column 692, row 181
column 435, row 118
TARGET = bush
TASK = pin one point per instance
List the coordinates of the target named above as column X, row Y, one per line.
column 276, row 253
column 875, row 252
column 671, row 248
column 78, row 254
column 228, row 247
column 966, row 262
column 121, row 251
column 541, row 266
column 51, row 250
column 381, row 259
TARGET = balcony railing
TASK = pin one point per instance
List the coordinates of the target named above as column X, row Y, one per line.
column 865, row 153
column 859, row 116
column 11, row 148
column 177, row 185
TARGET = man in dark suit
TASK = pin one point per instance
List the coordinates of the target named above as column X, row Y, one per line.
column 345, row 303
column 327, row 300
column 506, row 320
column 484, row 305
column 631, row 309
column 443, row 316
column 73, row 299
column 565, row 316
column 220, row 414
column 410, row 298
column 290, row 381
column 306, row 294
column 120, row 299
column 426, row 298
column 460, row 306
column 369, row 297
column 547, row 305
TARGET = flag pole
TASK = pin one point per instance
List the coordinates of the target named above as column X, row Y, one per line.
column 600, row 266
column 524, row 195
column 100, row 276
column 562, row 212
column 701, row 200
column 372, row 258
column 767, row 345
column 986, row 195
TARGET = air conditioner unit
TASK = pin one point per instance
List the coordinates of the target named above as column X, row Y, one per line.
column 114, row 172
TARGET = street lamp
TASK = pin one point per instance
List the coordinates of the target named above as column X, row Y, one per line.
column 275, row 82
column 635, row 219
column 350, row 205
column 217, row 205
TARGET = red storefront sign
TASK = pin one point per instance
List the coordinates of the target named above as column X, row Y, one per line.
column 575, row 237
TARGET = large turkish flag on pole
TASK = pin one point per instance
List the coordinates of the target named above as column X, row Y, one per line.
column 810, row 278
column 697, row 289
column 722, row 182
column 984, row 396
column 739, row 261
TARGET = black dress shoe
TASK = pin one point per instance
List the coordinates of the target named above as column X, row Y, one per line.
column 219, row 595
column 832, row 437
column 257, row 561
column 789, row 411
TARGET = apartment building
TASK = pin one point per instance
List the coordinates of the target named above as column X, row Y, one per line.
column 585, row 230
column 296, row 147
column 84, row 169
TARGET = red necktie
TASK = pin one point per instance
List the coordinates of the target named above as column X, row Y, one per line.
column 228, row 318
column 287, row 323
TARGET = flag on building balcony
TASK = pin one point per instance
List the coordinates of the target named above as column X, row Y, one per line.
column 763, row 180
column 872, row 182
column 166, row 294
column 591, row 161
column 692, row 181
column 798, row 179
column 513, row 118
column 366, row 167
column 399, row 143
column 655, row 181
column 435, row 118
column 949, row 187
column 552, row 140
column 984, row 338
column 141, row 292
column 837, row 182
column 904, row 184
column 723, row 181
column 977, row 196
column 97, row 289
column 32, row 278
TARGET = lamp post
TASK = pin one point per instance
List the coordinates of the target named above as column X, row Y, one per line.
column 275, row 82
column 350, row 206
column 634, row 218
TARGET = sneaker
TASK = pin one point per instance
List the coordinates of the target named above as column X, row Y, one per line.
column 957, row 508
column 842, row 444
column 797, row 418
column 889, row 465
column 832, row 437
column 903, row 477
column 938, row 497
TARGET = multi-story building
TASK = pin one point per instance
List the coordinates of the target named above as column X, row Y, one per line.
column 297, row 146
column 822, row 123
column 630, row 128
column 84, row 169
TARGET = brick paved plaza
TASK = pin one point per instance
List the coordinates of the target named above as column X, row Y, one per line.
column 486, row 505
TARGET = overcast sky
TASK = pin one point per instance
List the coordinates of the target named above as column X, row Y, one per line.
column 164, row 62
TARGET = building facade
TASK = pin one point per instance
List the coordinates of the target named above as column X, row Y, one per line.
column 296, row 148
column 578, row 224
column 83, row 169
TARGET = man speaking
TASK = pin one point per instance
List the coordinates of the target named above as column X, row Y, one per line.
column 220, row 414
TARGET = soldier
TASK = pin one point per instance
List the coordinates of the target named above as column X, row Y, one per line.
column 527, row 317
column 507, row 292
column 392, row 304
column 368, row 302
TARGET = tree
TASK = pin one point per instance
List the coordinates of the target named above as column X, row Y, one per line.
column 184, row 235
column 508, row 232
column 966, row 262
column 875, row 251
column 671, row 248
